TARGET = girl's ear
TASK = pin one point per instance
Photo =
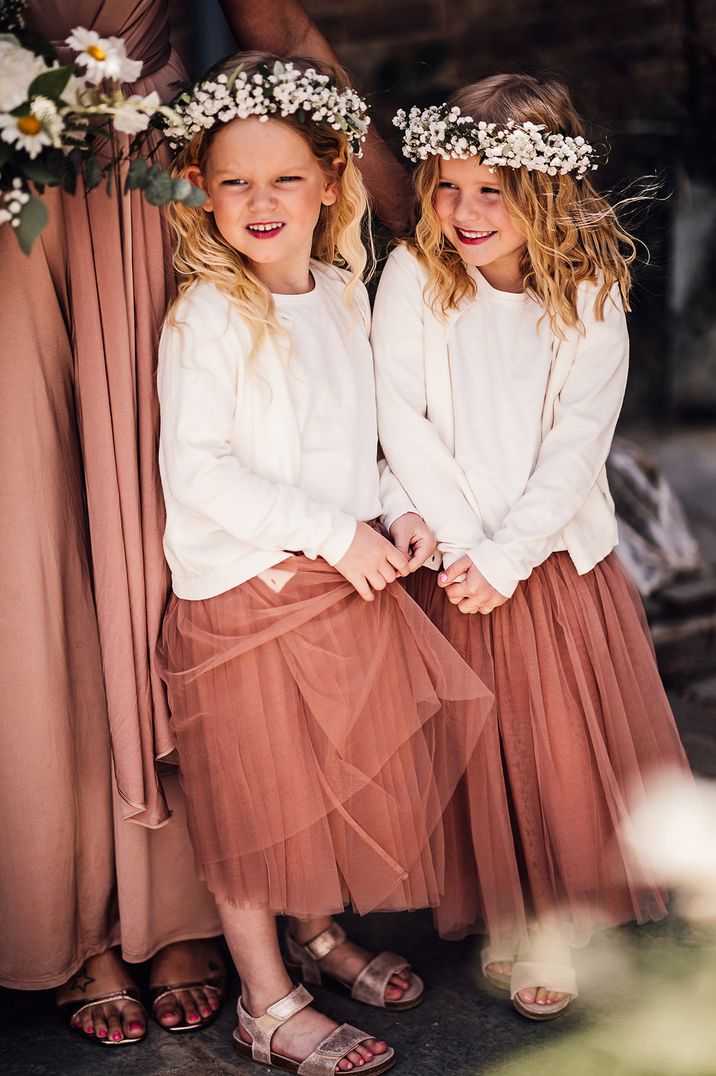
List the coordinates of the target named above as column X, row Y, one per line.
column 330, row 189
column 194, row 174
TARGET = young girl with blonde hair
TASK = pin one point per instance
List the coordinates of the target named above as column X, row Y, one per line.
column 501, row 351
column 306, row 688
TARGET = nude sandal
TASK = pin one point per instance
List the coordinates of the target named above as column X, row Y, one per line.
column 158, row 993
column 70, row 1009
column 498, row 979
column 371, row 982
column 560, row 978
column 323, row 1060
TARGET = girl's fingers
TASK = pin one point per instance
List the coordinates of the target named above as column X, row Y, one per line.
column 361, row 585
column 398, row 561
column 376, row 580
column 460, row 567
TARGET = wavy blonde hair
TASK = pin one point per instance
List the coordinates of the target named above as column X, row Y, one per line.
column 572, row 231
column 202, row 253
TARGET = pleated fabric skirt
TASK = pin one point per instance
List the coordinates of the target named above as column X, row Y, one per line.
column 580, row 724
column 320, row 738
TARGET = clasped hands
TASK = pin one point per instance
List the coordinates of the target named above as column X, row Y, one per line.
column 372, row 562
column 467, row 588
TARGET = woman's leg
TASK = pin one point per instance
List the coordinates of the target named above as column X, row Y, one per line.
column 253, row 940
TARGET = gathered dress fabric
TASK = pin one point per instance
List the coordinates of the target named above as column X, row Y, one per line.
column 580, row 725
column 82, row 522
column 320, row 738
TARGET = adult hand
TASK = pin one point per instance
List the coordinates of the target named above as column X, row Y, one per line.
column 466, row 587
column 413, row 537
column 372, row 562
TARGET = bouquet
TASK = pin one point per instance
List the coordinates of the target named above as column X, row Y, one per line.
column 59, row 122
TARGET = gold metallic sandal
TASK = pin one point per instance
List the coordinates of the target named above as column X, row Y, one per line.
column 158, row 993
column 323, row 1060
column 70, row 1009
column 370, row 985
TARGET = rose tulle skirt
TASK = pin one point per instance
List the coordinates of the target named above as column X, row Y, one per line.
column 320, row 738
column 580, row 723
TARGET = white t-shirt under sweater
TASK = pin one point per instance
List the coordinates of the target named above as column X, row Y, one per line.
column 500, row 358
column 267, row 453
column 331, row 385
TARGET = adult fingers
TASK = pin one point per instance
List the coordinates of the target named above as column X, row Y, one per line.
column 398, row 560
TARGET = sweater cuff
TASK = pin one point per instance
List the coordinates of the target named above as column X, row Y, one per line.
column 339, row 541
column 489, row 559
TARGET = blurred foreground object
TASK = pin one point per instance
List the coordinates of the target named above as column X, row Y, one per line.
column 655, row 543
column 60, row 122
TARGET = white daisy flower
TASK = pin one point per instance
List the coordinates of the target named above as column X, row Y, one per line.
column 133, row 115
column 103, row 57
column 26, row 132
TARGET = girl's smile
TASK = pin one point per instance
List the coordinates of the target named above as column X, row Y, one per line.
column 473, row 217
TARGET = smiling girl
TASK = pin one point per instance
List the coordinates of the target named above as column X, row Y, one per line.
column 501, row 355
column 305, row 686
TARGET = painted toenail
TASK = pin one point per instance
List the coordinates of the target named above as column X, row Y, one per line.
column 135, row 1026
column 116, row 1036
column 206, row 1012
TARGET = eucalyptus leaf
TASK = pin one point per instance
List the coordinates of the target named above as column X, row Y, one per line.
column 51, row 83
column 69, row 179
column 182, row 187
column 194, row 198
column 137, row 174
column 92, row 172
column 159, row 189
column 33, row 218
column 39, row 172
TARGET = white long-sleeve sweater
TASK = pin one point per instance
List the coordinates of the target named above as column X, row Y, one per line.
column 263, row 456
column 565, row 502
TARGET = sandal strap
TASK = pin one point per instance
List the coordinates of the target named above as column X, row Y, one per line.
column 158, row 993
column 70, row 1009
column 325, row 942
column 371, row 982
column 323, row 1060
column 262, row 1028
column 559, row 978
column 495, row 956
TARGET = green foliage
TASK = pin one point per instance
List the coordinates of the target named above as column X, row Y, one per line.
column 33, row 219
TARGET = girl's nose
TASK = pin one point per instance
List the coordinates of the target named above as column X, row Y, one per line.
column 262, row 197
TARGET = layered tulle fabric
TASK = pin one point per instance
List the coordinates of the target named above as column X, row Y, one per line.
column 320, row 738
column 580, row 724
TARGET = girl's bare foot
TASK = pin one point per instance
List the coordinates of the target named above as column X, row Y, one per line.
column 198, row 960
column 300, row 1035
column 110, row 1020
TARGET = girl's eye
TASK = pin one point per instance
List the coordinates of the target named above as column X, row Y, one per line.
column 490, row 190
column 447, row 186
column 289, row 179
column 233, row 183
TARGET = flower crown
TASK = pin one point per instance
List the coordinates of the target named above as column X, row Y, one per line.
column 444, row 131
column 282, row 90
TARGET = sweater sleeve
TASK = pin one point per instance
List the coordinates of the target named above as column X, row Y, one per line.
column 198, row 379
column 571, row 455
column 417, row 456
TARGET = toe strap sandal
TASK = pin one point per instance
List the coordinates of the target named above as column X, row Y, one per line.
column 158, row 993
column 70, row 1009
column 499, row 979
column 529, row 975
column 322, row 1061
column 371, row 982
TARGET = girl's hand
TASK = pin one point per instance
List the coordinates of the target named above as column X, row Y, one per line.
column 467, row 588
column 372, row 562
column 413, row 537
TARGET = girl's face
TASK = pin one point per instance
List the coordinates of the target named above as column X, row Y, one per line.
column 473, row 217
column 266, row 190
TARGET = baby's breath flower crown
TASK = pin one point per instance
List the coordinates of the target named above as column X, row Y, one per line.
column 443, row 131
column 281, row 90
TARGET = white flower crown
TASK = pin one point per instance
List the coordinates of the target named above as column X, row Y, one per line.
column 446, row 132
column 282, row 90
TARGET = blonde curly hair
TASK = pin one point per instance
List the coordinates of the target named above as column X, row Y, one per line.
column 573, row 234
column 342, row 236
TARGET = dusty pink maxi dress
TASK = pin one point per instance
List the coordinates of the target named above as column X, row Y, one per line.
column 84, row 577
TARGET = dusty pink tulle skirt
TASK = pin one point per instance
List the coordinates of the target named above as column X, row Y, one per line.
column 320, row 738
column 580, row 722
